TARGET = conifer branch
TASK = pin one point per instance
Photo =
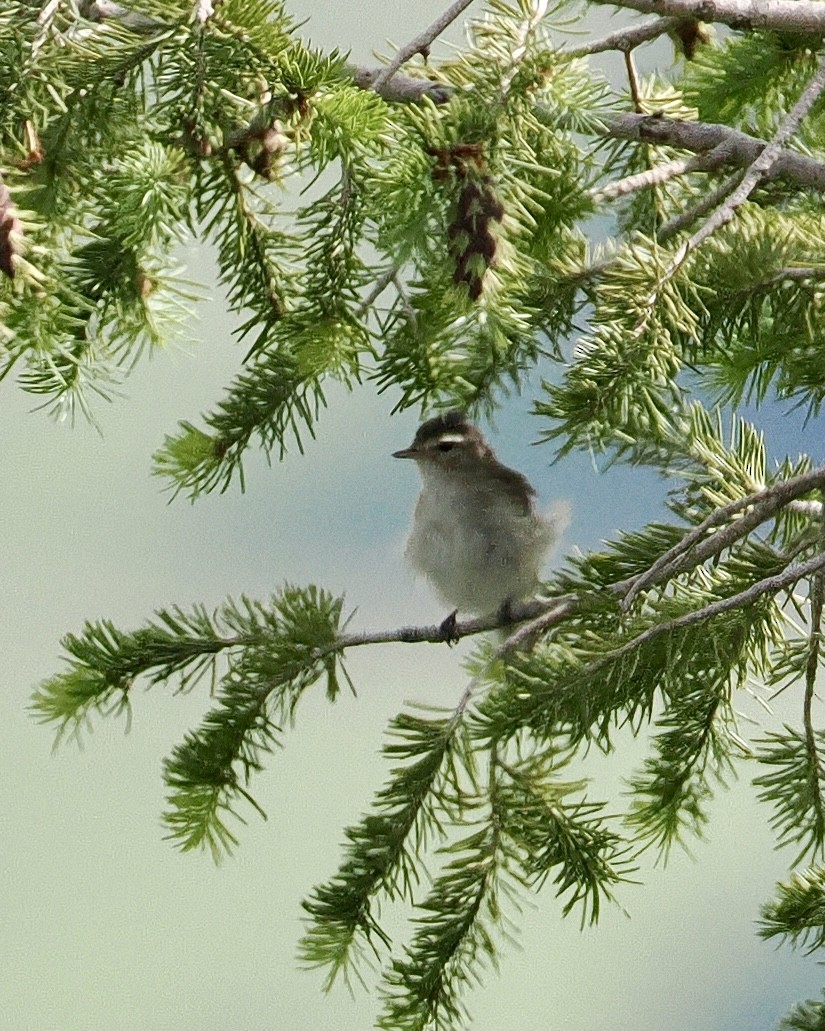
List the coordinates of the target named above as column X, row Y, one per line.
column 795, row 784
column 421, row 43
column 381, row 850
column 698, row 210
column 806, row 16
column 696, row 547
column 568, row 840
column 454, row 936
column 654, row 176
column 658, row 627
column 625, row 39
column 798, row 912
column 761, row 168
column 673, row 787
column 769, row 585
column 805, row 1016
column 738, row 149
column 720, row 144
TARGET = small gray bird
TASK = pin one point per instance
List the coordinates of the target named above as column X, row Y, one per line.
column 476, row 534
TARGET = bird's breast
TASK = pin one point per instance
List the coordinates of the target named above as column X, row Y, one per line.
column 478, row 550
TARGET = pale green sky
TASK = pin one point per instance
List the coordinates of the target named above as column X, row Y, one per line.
column 105, row 925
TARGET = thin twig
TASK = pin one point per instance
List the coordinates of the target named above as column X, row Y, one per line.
column 522, row 637
column 402, row 89
column 695, row 547
column 739, row 150
column 654, row 176
column 707, row 203
column 421, row 43
column 770, row 585
column 525, row 634
column 434, row 633
column 806, row 16
column 625, row 39
column 381, row 284
column 633, row 82
column 407, row 308
column 811, row 509
column 527, row 25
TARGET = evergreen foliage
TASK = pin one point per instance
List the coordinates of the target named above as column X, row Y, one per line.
column 440, row 248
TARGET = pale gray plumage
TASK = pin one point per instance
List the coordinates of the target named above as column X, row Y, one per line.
column 476, row 534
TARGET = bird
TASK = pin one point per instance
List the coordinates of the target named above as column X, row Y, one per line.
column 476, row 533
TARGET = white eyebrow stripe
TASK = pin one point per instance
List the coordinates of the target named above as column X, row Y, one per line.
column 450, row 438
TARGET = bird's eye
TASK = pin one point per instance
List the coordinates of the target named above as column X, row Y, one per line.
column 445, row 445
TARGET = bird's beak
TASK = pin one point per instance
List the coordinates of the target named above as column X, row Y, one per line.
column 407, row 452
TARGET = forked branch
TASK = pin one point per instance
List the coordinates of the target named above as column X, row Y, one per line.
column 421, row 43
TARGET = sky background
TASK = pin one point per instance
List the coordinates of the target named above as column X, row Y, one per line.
column 105, row 925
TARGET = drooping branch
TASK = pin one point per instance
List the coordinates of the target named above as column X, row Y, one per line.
column 806, row 16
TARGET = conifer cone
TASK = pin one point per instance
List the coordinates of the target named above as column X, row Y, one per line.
column 11, row 232
column 472, row 234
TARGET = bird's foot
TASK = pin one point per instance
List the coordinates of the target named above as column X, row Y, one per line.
column 506, row 611
column 448, row 629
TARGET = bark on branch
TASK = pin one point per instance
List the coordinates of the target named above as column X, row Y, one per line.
column 732, row 147
column 806, row 16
